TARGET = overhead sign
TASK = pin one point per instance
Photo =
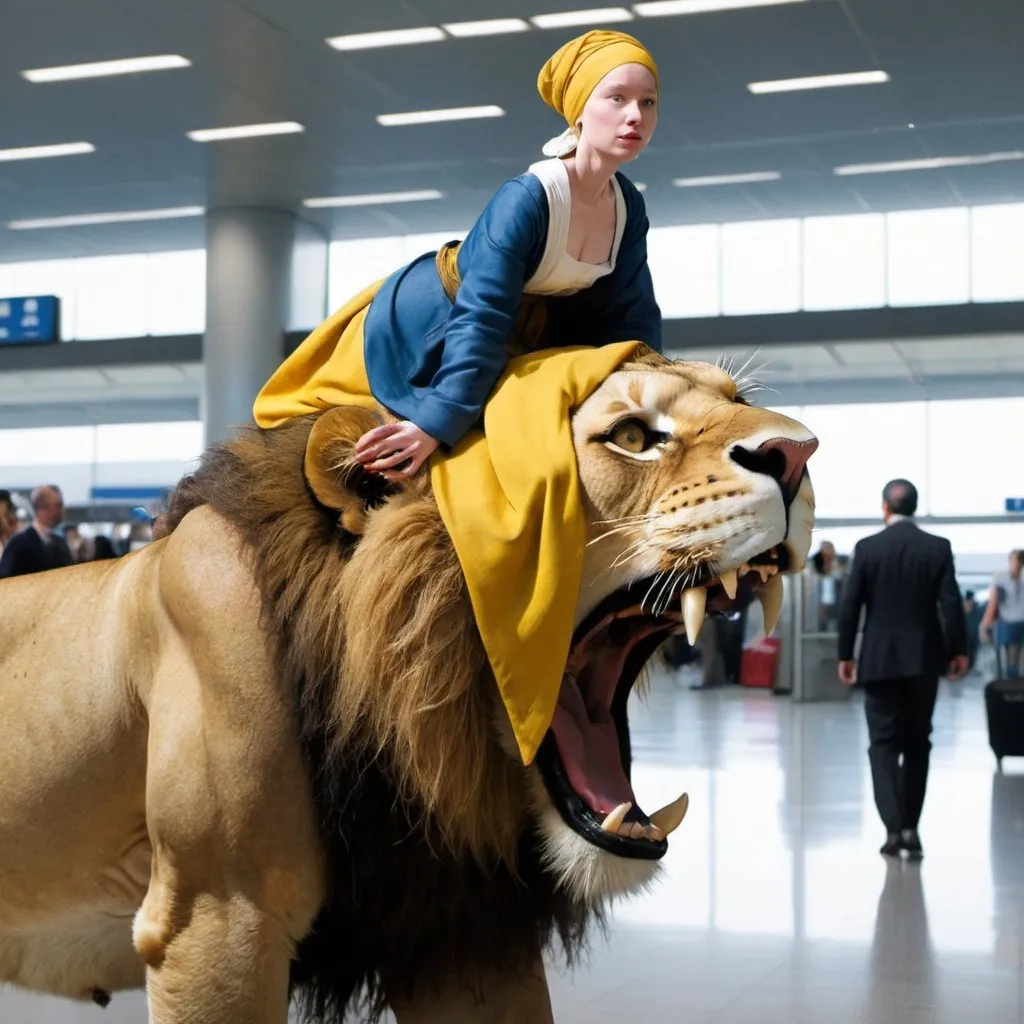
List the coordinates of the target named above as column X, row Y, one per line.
column 31, row 320
column 1015, row 504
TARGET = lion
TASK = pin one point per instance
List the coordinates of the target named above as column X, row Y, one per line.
column 262, row 762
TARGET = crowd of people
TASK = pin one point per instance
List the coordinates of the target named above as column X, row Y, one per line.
column 43, row 540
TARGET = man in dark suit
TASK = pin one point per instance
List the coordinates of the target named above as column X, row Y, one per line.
column 904, row 578
column 37, row 548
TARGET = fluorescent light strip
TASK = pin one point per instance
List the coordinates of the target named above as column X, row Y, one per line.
column 929, row 164
column 493, row 27
column 666, row 8
column 400, row 37
column 79, row 220
column 373, row 199
column 819, row 82
column 41, row 152
column 245, row 131
column 598, row 16
column 103, row 68
column 726, row 179
column 431, row 116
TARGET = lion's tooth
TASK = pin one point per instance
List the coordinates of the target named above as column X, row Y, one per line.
column 669, row 818
column 694, row 602
column 654, row 833
column 770, row 597
column 762, row 571
column 729, row 581
column 615, row 818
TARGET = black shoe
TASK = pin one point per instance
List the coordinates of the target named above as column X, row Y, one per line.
column 892, row 845
column 910, row 842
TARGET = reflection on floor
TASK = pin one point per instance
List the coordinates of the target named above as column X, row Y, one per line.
column 774, row 905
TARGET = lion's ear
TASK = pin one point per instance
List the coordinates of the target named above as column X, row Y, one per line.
column 334, row 476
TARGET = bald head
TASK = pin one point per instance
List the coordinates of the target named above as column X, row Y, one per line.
column 899, row 498
column 48, row 505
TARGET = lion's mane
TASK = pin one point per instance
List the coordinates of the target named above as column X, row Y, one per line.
column 433, row 864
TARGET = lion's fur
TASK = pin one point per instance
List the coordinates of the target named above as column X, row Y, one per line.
column 378, row 642
column 378, row 645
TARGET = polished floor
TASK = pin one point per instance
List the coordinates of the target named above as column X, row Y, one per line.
column 775, row 905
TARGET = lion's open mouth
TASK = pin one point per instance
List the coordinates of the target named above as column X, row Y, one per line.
column 585, row 757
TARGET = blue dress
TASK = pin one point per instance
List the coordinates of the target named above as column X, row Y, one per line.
column 435, row 362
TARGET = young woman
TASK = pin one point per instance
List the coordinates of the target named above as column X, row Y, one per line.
column 557, row 258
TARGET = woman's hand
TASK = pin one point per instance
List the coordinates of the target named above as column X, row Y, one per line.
column 383, row 449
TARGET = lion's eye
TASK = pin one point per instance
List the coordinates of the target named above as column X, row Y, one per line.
column 630, row 437
column 634, row 436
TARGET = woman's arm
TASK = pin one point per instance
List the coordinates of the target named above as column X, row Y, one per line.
column 494, row 262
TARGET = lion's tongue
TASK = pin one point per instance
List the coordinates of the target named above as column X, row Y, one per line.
column 590, row 754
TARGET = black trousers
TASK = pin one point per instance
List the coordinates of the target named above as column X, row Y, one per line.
column 899, row 714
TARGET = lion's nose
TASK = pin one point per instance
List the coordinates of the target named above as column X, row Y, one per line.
column 781, row 458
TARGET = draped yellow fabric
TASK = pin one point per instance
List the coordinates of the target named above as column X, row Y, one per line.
column 509, row 496
column 571, row 75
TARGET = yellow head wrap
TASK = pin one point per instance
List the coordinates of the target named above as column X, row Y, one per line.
column 571, row 75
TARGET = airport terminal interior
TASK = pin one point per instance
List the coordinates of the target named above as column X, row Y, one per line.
column 835, row 194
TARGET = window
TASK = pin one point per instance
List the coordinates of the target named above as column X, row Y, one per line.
column 929, row 257
column 862, row 448
column 113, row 297
column 844, row 262
column 997, row 253
column 685, row 267
column 354, row 265
column 969, row 470
column 177, row 292
column 761, row 267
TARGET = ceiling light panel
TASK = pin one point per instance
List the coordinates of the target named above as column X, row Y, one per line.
column 431, row 116
column 104, row 68
column 42, row 152
column 373, row 199
column 400, row 37
column 493, row 27
column 598, row 16
column 726, row 179
column 123, row 217
column 245, row 131
column 819, row 82
column 930, row 163
column 669, row 8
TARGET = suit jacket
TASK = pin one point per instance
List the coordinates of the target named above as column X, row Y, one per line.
column 26, row 552
column 436, row 362
column 904, row 578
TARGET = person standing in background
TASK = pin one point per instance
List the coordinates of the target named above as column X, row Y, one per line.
column 1005, row 610
column 38, row 548
column 9, row 524
column 903, row 577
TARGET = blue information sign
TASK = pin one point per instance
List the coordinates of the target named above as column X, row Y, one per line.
column 29, row 321
column 1015, row 504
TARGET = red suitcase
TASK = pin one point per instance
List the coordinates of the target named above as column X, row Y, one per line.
column 759, row 663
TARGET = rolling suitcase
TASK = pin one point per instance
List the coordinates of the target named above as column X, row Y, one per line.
column 1004, row 708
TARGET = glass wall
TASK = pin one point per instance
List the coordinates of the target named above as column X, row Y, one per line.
column 922, row 257
column 130, row 296
column 133, row 458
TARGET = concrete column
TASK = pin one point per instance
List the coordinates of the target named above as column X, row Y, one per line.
column 266, row 272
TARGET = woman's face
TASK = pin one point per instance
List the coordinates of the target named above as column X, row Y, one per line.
column 621, row 114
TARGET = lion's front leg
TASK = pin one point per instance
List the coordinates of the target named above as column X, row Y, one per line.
column 226, row 962
column 498, row 997
column 237, row 876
